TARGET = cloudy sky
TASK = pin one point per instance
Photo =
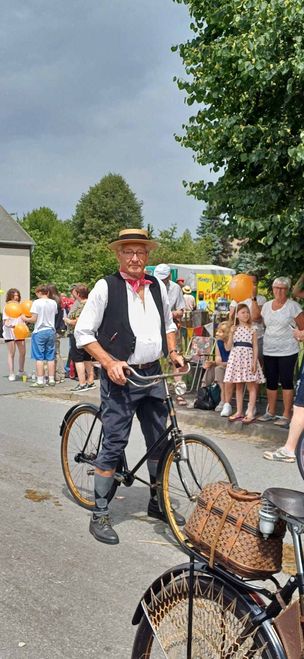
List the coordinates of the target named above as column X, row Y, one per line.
column 87, row 89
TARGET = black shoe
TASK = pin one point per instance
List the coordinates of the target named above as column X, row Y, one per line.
column 101, row 529
column 154, row 511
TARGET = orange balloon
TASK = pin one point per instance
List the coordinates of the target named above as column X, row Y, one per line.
column 21, row 331
column 241, row 287
column 26, row 306
column 13, row 309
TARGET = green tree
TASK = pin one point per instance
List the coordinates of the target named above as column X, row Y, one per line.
column 181, row 249
column 245, row 70
column 107, row 207
column 212, row 228
column 55, row 257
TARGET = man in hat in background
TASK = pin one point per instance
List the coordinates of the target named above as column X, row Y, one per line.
column 175, row 295
column 177, row 305
column 127, row 320
column 181, row 282
column 189, row 300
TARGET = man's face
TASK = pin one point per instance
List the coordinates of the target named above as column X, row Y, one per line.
column 133, row 258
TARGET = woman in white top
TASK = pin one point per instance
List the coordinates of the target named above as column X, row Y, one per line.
column 13, row 295
column 280, row 349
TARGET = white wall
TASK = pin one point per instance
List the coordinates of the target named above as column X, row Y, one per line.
column 14, row 271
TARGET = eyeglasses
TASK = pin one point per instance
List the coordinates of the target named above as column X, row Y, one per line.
column 129, row 253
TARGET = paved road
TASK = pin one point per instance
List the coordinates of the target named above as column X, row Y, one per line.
column 63, row 595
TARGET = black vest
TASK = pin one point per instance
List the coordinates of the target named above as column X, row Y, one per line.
column 115, row 334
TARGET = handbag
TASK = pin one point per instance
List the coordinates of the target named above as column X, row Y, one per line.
column 224, row 527
column 208, row 397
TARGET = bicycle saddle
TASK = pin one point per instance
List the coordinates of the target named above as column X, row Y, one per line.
column 289, row 501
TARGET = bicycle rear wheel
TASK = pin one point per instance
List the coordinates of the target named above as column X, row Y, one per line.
column 182, row 480
column 300, row 454
column 81, row 439
column 220, row 616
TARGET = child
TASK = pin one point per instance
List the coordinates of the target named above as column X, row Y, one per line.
column 13, row 295
column 215, row 370
column 43, row 312
column 243, row 365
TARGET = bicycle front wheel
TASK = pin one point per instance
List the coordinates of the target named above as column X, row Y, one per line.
column 220, row 629
column 300, row 454
column 183, row 479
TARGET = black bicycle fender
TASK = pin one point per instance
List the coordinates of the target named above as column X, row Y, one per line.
column 70, row 412
column 155, row 587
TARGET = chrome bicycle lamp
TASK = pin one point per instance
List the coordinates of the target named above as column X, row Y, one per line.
column 268, row 517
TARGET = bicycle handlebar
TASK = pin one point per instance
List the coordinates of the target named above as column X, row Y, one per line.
column 153, row 379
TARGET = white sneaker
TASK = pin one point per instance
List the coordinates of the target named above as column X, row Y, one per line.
column 219, row 407
column 253, row 413
column 12, row 377
column 227, row 410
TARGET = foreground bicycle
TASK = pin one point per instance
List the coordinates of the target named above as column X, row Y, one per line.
column 193, row 611
column 187, row 462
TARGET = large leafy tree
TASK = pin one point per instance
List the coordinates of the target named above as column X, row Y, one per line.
column 245, row 67
column 181, row 249
column 55, row 257
column 107, row 207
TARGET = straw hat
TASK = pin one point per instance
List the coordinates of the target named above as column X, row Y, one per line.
column 187, row 290
column 133, row 236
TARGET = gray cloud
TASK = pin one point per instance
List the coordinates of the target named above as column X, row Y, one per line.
column 87, row 89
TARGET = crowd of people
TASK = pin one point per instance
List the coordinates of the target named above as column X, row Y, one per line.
column 260, row 343
column 53, row 315
column 257, row 344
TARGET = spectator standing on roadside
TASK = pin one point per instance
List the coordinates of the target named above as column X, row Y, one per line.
column 70, row 330
column 60, row 328
column 177, row 306
column 13, row 295
column 43, row 312
column 286, row 453
column 281, row 349
column 83, row 363
column 255, row 305
column 189, row 300
column 174, row 292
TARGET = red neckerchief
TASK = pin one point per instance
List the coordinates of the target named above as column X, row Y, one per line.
column 135, row 283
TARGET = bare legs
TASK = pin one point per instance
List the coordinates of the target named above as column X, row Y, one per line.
column 85, row 372
column 288, row 395
column 295, row 428
column 11, row 346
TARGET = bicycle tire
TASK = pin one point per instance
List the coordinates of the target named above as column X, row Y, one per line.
column 220, row 615
column 79, row 476
column 300, row 454
column 182, row 481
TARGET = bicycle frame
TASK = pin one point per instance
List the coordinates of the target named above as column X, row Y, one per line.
column 172, row 433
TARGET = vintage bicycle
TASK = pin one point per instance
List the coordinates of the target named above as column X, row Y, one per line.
column 187, row 462
column 193, row 611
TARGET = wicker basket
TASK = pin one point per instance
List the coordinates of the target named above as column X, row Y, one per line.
column 224, row 527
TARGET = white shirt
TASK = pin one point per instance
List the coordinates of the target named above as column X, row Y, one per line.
column 175, row 295
column 278, row 339
column 189, row 301
column 8, row 333
column 143, row 317
column 257, row 325
column 46, row 310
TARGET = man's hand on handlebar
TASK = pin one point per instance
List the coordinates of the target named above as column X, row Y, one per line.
column 177, row 359
column 116, row 372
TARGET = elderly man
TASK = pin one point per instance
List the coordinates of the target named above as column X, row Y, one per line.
column 175, row 294
column 130, row 315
